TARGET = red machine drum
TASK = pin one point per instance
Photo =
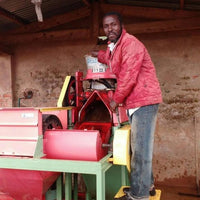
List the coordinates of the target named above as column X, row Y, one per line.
column 83, row 145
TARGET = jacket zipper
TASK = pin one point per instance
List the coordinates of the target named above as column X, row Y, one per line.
column 112, row 53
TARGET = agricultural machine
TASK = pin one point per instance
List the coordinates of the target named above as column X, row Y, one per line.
column 44, row 151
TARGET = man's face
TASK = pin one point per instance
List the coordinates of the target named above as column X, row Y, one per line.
column 112, row 28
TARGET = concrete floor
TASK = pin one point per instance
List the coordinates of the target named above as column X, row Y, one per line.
column 167, row 193
column 172, row 193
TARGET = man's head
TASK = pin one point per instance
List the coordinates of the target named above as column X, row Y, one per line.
column 112, row 25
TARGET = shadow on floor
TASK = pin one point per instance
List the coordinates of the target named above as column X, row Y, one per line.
column 176, row 193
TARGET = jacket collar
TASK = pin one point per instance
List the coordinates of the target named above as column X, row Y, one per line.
column 120, row 38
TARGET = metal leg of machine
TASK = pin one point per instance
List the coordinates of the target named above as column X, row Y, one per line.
column 75, row 193
column 59, row 188
column 68, row 186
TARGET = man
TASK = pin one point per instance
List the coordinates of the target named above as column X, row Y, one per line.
column 139, row 91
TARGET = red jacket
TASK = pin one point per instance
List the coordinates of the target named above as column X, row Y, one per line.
column 137, row 84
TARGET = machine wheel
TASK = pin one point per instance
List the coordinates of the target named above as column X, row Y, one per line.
column 50, row 122
column 70, row 95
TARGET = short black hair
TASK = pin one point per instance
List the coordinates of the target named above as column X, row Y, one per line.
column 118, row 15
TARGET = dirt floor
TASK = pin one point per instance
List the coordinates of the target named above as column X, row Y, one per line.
column 172, row 193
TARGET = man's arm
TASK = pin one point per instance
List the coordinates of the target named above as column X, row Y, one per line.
column 100, row 54
column 94, row 53
column 132, row 58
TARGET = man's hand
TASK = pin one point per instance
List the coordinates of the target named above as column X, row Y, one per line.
column 113, row 105
column 94, row 53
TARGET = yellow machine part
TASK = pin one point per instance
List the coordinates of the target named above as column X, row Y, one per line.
column 49, row 109
column 121, row 156
column 63, row 91
column 121, row 194
column 121, row 147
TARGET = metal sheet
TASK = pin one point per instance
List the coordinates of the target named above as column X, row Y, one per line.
column 73, row 145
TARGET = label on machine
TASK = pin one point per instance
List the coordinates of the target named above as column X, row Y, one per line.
column 27, row 115
column 94, row 65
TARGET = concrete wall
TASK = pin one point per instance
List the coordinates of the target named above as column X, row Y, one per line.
column 42, row 68
column 177, row 136
column 5, row 81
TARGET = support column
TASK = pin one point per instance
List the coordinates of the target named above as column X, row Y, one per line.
column 59, row 188
column 100, row 185
column 68, row 186
column 6, row 96
column 95, row 20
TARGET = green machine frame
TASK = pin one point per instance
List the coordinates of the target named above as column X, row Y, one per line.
column 68, row 167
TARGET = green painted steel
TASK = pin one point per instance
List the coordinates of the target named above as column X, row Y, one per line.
column 39, row 147
column 58, row 188
column 50, row 195
column 75, row 193
column 68, row 186
column 115, row 177
column 102, row 179
column 67, row 166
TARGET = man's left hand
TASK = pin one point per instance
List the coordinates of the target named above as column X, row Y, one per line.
column 94, row 53
column 113, row 105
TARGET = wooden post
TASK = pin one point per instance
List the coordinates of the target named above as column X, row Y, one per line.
column 95, row 20
column 181, row 4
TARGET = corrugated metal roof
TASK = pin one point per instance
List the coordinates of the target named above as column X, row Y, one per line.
column 14, row 13
column 5, row 24
column 192, row 5
column 26, row 10
column 173, row 4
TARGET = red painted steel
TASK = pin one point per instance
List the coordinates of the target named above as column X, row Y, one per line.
column 25, row 184
column 103, row 127
column 4, row 196
column 61, row 114
column 79, row 89
column 73, row 145
column 95, row 96
column 122, row 116
column 19, row 132
column 20, row 128
column 100, row 75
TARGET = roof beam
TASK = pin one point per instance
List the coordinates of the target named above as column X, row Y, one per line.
column 147, row 12
column 12, row 17
column 5, row 50
column 86, row 2
column 54, row 21
column 182, row 4
column 151, row 3
column 164, row 26
column 95, row 19
column 80, row 34
column 73, row 34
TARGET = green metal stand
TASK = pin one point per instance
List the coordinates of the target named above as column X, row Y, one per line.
column 75, row 194
column 67, row 166
column 59, row 188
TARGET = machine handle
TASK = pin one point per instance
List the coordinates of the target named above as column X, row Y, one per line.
column 106, row 145
column 117, row 114
column 109, row 146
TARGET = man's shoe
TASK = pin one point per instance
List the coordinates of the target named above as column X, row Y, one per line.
column 128, row 195
column 126, row 189
column 152, row 191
